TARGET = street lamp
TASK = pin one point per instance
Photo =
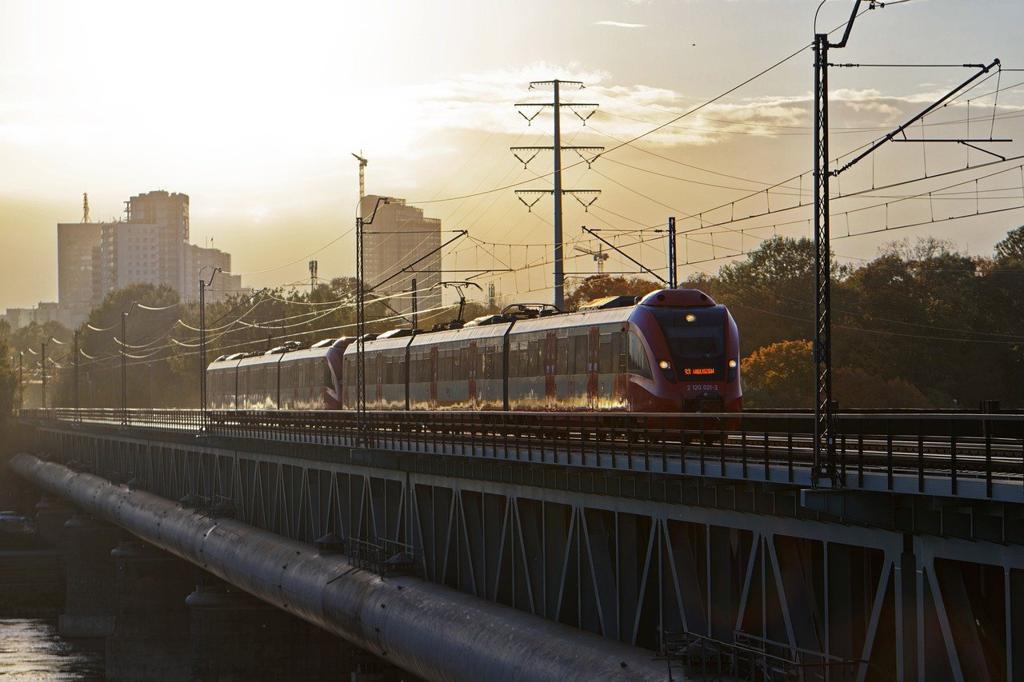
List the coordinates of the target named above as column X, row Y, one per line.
column 202, row 336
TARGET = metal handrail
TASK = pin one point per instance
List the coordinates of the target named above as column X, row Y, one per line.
column 955, row 448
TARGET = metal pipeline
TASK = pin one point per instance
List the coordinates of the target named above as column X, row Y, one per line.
column 430, row 630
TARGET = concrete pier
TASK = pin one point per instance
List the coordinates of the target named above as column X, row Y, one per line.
column 51, row 515
column 236, row 637
column 89, row 577
column 150, row 637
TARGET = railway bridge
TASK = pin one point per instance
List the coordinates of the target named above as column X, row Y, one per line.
column 476, row 545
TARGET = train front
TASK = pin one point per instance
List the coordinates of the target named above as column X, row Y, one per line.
column 694, row 354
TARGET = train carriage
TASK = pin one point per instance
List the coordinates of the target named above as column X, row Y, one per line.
column 675, row 350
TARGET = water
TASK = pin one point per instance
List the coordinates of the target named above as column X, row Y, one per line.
column 31, row 649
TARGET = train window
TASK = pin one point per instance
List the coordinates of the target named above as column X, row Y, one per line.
column 398, row 367
column 489, row 362
column 533, row 358
column 493, row 362
column 562, row 345
column 524, row 359
column 515, row 359
column 638, row 363
column 605, row 364
column 444, row 365
column 424, row 368
column 618, row 359
column 579, row 343
column 328, row 379
column 414, row 367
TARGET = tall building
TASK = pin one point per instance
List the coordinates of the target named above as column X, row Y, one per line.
column 150, row 247
column 398, row 237
column 75, row 245
column 129, row 253
column 168, row 213
column 201, row 262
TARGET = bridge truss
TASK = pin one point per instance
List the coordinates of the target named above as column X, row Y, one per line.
column 914, row 585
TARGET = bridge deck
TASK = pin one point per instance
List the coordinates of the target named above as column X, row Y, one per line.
column 965, row 456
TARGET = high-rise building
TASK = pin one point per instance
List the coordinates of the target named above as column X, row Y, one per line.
column 168, row 213
column 201, row 263
column 75, row 244
column 394, row 244
column 150, row 247
column 130, row 253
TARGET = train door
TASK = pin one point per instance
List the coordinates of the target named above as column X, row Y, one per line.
column 550, row 356
column 621, row 341
column 471, row 366
column 433, row 376
column 378, row 373
column 593, row 377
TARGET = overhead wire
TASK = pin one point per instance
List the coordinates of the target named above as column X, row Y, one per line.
column 699, row 107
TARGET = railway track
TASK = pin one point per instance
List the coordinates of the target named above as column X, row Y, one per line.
column 914, row 453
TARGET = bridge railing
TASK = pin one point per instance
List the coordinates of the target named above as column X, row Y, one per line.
column 748, row 657
column 974, row 454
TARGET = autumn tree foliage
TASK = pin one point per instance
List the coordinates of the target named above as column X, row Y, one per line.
column 1011, row 249
column 8, row 381
column 948, row 325
column 782, row 375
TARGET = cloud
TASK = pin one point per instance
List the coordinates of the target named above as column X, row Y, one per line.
column 481, row 102
column 618, row 24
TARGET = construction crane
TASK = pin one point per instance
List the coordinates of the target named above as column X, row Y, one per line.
column 600, row 256
column 362, row 174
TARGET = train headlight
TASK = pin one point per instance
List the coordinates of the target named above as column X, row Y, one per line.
column 664, row 364
column 732, row 364
column 690, row 317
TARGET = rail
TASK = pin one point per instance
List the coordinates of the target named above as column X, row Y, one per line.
column 977, row 455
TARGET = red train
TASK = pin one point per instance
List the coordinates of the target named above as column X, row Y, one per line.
column 675, row 350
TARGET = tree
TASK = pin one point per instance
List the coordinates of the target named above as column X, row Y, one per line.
column 151, row 379
column 8, row 381
column 771, row 293
column 779, row 375
column 34, row 335
column 853, row 387
column 782, row 375
column 1012, row 247
column 601, row 286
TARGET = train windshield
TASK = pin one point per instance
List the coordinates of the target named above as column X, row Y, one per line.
column 696, row 339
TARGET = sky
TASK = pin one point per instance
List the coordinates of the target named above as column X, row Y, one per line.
column 253, row 110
